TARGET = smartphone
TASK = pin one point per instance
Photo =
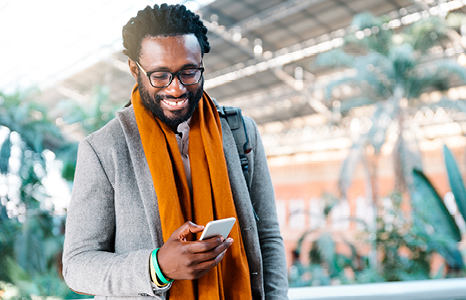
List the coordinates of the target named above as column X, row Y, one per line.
column 218, row 227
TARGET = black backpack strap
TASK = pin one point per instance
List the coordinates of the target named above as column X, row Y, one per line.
column 238, row 129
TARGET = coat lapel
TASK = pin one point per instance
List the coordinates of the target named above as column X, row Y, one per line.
column 142, row 174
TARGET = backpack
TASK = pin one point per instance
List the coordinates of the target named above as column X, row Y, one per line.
column 235, row 120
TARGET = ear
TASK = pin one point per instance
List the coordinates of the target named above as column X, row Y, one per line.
column 133, row 68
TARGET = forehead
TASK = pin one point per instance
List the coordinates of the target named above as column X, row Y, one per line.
column 170, row 52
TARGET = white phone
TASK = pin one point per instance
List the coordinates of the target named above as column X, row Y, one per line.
column 218, row 227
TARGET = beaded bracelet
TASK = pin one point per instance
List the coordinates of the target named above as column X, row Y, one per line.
column 158, row 272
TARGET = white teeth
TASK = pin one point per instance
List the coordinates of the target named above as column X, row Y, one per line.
column 171, row 103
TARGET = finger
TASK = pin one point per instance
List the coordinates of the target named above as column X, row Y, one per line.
column 214, row 261
column 211, row 250
column 205, row 245
column 221, row 237
column 201, row 268
column 186, row 229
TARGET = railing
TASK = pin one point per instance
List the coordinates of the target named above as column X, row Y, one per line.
column 438, row 289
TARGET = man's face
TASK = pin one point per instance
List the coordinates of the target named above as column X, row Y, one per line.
column 175, row 103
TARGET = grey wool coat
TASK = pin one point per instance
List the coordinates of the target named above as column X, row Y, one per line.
column 113, row 221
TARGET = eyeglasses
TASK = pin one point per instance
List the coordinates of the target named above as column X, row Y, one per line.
column 161, row 79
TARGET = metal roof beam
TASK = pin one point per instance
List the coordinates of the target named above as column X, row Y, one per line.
column 228, row 37
column 279, row 59
column 275, row 13
column 271, row 15
column 252, row 67
column 254, row 104
column 317, row 105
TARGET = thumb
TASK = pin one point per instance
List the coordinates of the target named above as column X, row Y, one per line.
column 188, row 228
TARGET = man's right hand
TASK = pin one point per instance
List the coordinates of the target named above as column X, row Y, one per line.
column 180, row 259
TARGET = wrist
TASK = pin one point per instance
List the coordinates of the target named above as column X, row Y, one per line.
column 153, row 275
column 158, row 271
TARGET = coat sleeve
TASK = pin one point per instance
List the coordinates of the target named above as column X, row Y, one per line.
column 90, row 264
column 270, row 239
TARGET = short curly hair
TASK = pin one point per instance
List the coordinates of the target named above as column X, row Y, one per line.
column 163, row 20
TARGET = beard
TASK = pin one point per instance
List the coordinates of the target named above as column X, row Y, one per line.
column 153, row 104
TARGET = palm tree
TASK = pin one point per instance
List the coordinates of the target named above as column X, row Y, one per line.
column 394, row 66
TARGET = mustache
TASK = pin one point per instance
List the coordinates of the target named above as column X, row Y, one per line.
column 166, row 97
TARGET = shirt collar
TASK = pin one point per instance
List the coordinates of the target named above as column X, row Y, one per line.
column 184, row 127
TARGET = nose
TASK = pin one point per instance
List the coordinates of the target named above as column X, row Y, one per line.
column 176, row 88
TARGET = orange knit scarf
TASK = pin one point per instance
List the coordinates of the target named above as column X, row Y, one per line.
column 211, row 200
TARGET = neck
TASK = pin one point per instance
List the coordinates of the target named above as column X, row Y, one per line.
column 174, row 128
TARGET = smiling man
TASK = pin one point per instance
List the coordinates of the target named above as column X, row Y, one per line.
column 172, row 102
column 147, row 182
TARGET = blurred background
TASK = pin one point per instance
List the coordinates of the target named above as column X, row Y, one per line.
column 361, row 105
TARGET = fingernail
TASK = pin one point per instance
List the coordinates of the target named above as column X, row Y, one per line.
column 230, row 240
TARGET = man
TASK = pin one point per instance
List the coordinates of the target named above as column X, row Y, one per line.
column 147, row 182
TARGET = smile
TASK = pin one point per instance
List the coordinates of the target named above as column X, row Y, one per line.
column 175, row 103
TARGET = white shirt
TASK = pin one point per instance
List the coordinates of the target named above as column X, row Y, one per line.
column 182, row 137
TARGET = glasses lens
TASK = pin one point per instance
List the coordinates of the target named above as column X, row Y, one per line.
column 190, row 76
column 160, row 79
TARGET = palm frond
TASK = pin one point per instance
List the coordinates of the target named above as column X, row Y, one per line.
column 377, row 71
column 380, row 39
column 438, row 76
column 375, row 77
column 336, row 58
column 403, row 60
column 430, row 211
column 426, row 33
column 456, row 181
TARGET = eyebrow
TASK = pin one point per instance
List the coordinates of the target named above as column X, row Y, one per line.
column 185, row 66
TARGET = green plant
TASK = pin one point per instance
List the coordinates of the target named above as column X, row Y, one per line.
column 31, row 235
column 325, row 263
column 456, row 181
column 27, row 238
column 28, row 133
column 405, row 243
column 89, row 117
column 432, row 218
column 402, row 244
